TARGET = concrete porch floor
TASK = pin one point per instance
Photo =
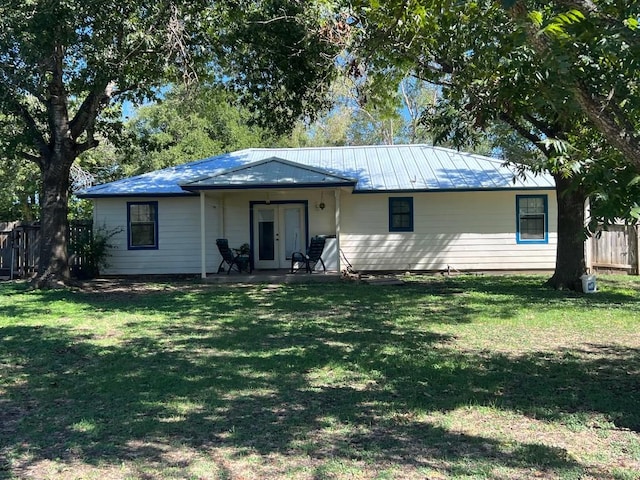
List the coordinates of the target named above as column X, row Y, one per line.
column 273, row 276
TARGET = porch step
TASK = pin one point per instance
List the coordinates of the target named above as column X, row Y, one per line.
column 273, row 278
column 382, row 280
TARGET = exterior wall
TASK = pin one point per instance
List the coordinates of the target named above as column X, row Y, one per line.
column 462, row 230
column 178, row 249
column 178, row 252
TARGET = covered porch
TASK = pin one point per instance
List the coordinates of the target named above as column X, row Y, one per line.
column 270, row 209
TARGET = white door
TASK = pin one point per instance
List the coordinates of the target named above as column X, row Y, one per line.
column 278, row 232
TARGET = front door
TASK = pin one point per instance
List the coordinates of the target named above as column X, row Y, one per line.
column 278, row 231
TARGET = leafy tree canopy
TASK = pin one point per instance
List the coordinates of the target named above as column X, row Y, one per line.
column 185, row 125
column 561, row 74
column 63, row 63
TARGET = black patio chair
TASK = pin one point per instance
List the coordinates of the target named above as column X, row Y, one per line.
column 234, row 260
column 311, row 257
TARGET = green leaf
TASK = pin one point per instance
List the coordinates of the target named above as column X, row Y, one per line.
column 635, row 181
column 536, row 17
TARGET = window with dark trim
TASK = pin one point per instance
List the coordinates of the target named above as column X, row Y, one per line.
column 401, row 214
column 142, row 225
column 532, row 219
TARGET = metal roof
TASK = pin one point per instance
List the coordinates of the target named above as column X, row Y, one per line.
column 272, row 172
column 387, row 168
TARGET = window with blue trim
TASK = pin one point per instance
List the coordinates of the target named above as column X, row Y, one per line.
column 142, row 225
column 532, row 221
column 400, row 214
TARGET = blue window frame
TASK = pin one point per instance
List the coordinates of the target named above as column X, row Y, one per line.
column 401, row 214
column 142, row 225
column 532, row 219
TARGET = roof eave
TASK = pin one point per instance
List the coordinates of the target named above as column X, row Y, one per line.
column 452, row 190
column 270, row 186
column 135, row 194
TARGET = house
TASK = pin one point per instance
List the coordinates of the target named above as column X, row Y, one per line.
column 390, row 208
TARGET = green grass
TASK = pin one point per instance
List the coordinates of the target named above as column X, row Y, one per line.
column 461, row 377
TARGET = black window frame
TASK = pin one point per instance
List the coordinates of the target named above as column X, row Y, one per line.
column 131, row 224
column 401, row 214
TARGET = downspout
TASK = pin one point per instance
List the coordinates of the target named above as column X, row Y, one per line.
column 337, row 195
column 203, row 238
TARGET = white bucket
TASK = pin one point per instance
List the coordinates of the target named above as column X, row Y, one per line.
column 589, row 283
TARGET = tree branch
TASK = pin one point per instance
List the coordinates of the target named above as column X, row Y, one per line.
column 32, row 158
column 547, row 130
column 612, row 123
column 38, row 138
column 526, row 133
column 615, row 127
column 86, row 115
column 88, row 145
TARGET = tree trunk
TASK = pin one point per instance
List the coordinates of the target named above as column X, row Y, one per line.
column 53, row 263
column 570, row 257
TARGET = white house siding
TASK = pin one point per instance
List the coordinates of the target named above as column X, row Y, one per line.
column 464, row 231
column 179, row 228
column 178, row 249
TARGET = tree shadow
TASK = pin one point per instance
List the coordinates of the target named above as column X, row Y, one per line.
column 294, row 371
column 110, row 405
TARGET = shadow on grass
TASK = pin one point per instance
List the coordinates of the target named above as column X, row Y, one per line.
column 294, row 372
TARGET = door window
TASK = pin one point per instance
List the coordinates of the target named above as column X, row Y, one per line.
column 266, row 235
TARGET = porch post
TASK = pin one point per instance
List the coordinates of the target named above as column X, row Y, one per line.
column 221, row 217
column 337, row 195
column 203, row 238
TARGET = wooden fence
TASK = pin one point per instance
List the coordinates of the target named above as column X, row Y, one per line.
column 6, row 229
column 20, row 247
column 616, row 250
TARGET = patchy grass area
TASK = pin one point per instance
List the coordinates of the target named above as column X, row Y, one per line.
column 462, row 377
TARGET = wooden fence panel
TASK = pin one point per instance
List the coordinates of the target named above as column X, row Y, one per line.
column 20, row 243
column 5, row 249
column 26, row 244
column 80, row 233
column 616, row 249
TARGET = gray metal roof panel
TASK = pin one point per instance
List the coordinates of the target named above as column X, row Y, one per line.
column 272, row 171
column 375, row 168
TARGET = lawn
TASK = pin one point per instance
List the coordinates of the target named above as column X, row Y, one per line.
column 443, row 377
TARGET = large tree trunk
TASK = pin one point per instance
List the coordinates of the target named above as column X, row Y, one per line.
column 55, row 165
column 53, row 263
column 570, row 257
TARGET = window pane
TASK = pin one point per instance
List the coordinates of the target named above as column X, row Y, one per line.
column 292, row 231
column 143, row 235
column 266, row 241
column 531, row 206
column 141, row 213
column 400, row 207
column 532, row 228
column 143, row 225
column 400, row 221
column 401, row 214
